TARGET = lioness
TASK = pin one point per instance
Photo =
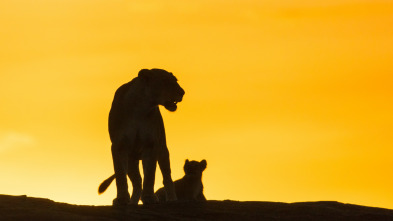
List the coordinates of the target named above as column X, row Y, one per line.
column 190, row 187
column 137, row 132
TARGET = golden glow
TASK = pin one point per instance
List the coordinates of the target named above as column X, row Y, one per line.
column 286, row 101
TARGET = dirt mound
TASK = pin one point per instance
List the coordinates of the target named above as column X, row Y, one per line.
column 28, row 208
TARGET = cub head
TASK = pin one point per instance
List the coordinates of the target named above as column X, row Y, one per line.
column 163, row 87
column 194, row 167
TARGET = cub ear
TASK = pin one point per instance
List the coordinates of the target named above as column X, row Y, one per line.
column 185, row 168
column 144, row 74
column 203, row 164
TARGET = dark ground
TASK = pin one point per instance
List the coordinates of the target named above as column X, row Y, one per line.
column 28, row 208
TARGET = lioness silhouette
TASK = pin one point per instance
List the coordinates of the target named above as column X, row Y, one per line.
column 136, row 130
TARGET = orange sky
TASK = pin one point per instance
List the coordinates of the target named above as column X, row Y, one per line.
column 287, row 101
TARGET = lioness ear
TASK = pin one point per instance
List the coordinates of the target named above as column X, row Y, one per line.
column 187, row 161
column 144, row 74
column 203, row 164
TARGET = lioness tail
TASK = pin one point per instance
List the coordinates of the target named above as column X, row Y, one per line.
column 104, row 185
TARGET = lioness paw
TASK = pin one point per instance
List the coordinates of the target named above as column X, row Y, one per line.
column 120, row 203
column 149, row 199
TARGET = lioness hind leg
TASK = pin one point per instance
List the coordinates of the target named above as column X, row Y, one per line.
column 136, row 180
column 149, row 171
column 120, row 165
column 165, row 166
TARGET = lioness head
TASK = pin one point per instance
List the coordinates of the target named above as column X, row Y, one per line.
column 194, row 167
column 163, row 87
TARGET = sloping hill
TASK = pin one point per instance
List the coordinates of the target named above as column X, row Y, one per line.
column 27, row 208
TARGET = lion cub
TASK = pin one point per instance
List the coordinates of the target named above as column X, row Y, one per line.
column 190, row 187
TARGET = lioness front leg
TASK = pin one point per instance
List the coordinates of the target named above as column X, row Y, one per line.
column 136, row 180
column 149, row 170
column 165, row 166
column 119, row 155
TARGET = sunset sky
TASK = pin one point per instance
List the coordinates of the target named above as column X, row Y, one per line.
column 286, row 100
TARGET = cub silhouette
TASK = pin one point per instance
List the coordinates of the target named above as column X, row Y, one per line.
column 190, row 187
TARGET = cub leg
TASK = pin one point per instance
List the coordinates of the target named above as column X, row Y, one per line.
column 201, row 197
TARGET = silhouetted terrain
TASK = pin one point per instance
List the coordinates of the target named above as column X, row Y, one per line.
column 28, row 208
